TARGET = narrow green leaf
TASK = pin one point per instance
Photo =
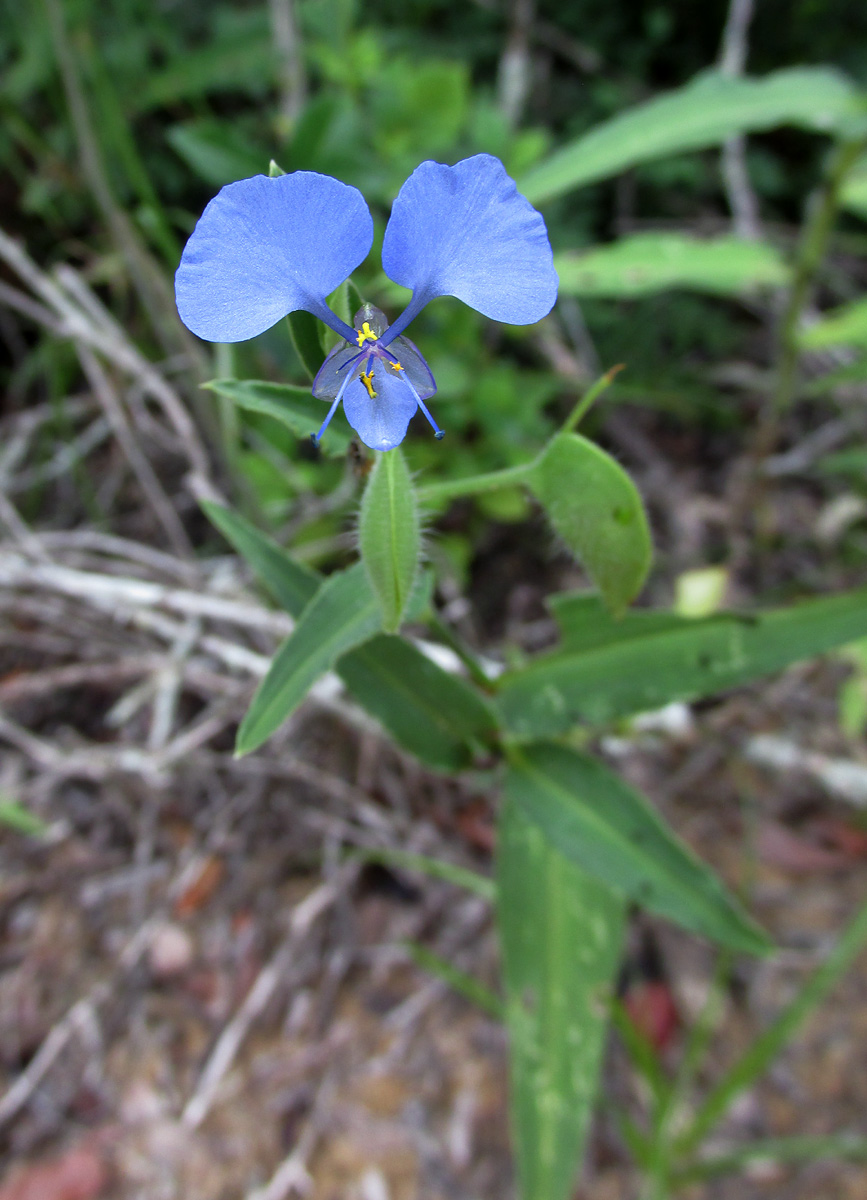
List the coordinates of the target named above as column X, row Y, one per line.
column 291, row 584
column 389, row 535
column 765, row 1049
column 599, row 823
column 838, row 1147
column 291, row 405
column 707, row 111
column 843, row 326
column 342, row 614
column 17, row 818
column 355, row 300
column 561, row 936
column 436, row 868
column 465, row 985
column 655, row 262
column 585, row 624
column 597, row 511
column 307, row 340
column 700, row 658
column 436, row 716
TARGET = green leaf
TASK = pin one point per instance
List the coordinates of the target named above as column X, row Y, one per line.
column 604, row 827
column 307, row 339
column 707, row 111
column 853, row 194
column 697, row 658
column 342, row 614
column 17, row 818
column 654, row 262
column 561, row 936
column 436, row 716
column 585, row 624
column 465, row 985
column 843, row 326
column 801, row 1148
column 597, row 511
column 291, row 405
column 436, row 868
column 291, row 584
column 216, row 151
column 389, row 535
column 765, row 1049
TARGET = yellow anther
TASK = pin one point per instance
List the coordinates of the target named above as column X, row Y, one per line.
column 395, row 366
column 365, row 334
column 367, row 381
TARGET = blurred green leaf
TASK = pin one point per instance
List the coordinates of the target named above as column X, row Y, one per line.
column 461, row 982
column 306, row 334
column 585, row 624
column 707, row 111
column 605, row 828
column 436, row 868
column 436, row 716
column 291, row 584
column 597, row 511
column 843, row 326
column 853, row 194
column 701, row 658
column 389, row 535
column 343, row 613
column 218, row 151
column 17, row 818
column 291, row 405
column 240, row 56
column 655, row 262
column 561, row 937
column 759, row 1057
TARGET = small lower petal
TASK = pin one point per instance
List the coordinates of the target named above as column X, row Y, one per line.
column 380, row 420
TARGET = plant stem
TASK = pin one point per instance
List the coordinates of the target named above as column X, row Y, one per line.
column 451, row 489
column 590, row 397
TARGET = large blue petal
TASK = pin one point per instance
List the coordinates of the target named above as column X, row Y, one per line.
column 265, row 247
column 380, row 421
column 466, row 231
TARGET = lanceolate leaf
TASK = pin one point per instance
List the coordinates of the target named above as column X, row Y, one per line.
column 291, row 584
column 705, row 112
column 289, row 404
column 597, row 511
column 342, row 614
column 699, row 658
column 604, row 827
column 654, row 262
column 389, row 535
column 437, row 716
column 307, row 340
column 561, row 935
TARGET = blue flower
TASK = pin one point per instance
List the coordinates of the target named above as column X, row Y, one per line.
column 266, row 247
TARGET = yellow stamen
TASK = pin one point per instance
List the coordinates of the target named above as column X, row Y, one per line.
column 395, row 366
column 365, row 334
column 366, row 380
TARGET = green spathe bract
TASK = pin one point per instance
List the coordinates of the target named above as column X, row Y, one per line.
column 389, row 535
